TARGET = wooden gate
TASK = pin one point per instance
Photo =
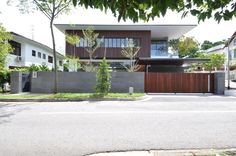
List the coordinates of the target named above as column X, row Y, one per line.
column 179, row 82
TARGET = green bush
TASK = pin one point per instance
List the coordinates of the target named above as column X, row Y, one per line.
column 4, row 77
column 103, row 83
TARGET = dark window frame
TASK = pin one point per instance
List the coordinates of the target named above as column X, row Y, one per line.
column 16, row 48
column 34, row 53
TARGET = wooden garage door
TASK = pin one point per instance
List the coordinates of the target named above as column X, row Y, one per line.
column 179, row 83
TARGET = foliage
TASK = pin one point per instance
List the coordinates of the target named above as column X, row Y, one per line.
column 188, row 47
column 232, row 67
column 207, row 44
column 36, row 68
column 174, row 45
column 73, row 63
column 103, row 83
column 91, row 41
column 51, row 9
column 5, row 47
column 4, row 77
column 144, row 10
column 131, row 52
column 216, row 61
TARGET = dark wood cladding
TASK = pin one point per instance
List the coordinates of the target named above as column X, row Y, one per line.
column 179, row 83
column 112, row 53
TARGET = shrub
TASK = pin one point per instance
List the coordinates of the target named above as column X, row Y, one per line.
column 4, row 77
column 103, row 83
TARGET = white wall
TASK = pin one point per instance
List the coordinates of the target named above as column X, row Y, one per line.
column 28, row 59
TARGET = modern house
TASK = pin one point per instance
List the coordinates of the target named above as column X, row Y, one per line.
column 152, row 40
column 27, row 52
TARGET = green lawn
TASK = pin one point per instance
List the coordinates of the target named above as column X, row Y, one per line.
column 69, row 96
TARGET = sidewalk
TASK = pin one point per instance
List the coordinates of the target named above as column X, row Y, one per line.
column 206, row 152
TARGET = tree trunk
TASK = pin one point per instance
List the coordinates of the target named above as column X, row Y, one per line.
column 54, row 55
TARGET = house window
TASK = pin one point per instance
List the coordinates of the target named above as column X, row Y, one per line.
column 44, row 56
column 60, row 63
column 234, row 53
column 159, row 49
column 39, row 55
column 16, row 48
column 33, row 53
column 235, row 41
column 50, row 59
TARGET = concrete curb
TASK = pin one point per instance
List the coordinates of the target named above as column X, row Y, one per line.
column 73, row 100
column 194, row 152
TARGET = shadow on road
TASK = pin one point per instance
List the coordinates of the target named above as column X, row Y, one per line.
column 9, row 110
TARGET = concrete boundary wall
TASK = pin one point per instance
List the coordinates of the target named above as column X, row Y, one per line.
column 84, row 82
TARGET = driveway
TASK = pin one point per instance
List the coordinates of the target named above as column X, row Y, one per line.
column 80, row 128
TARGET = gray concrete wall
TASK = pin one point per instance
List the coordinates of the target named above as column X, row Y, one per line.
column 219, row 83
column 84, row 82
column 16, row 82
column 121, row 81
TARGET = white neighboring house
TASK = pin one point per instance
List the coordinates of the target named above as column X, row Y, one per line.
column 219, row 49
column 27, row 52
column 230, row 47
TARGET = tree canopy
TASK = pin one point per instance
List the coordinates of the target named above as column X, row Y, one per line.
column 5, row 47
column 144, row 10
column 208, row 44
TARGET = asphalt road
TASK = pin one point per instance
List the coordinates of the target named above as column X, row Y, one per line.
column 80, row 128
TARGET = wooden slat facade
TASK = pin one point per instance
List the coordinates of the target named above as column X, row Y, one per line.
column 179, row 82
column 112, row 53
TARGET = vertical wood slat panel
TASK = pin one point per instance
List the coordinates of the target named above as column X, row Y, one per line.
column 178, row 82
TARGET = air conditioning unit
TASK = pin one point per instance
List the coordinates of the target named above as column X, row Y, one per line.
column 18, row 58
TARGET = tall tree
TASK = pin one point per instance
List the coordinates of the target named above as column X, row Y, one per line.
column 174, row 45
column 131, row 52
column 188, row 47
column 51, row 9
column 5, row 47
column 139, row 9
column 206, row 45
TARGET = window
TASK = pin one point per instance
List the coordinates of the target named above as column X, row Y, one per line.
column 33, row 53
column 17, row 48
column 50, row 59
column 44, row 56
column 159, row 48
column 60, row 63
column 234, row 53
column 110, row 42
column 235, row 41
column 39, row 55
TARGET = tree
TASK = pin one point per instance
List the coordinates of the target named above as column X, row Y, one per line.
column 216, row 61
column 5, row 47
column 73, row 60
column 174, row 45
column 131, row 52
column 51, row 9
column 91, row 44
column 103, row 82
column 188, row 47
column 206, row 45
column 144, row 10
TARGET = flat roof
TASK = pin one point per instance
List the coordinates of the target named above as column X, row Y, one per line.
column 164, row 31
column 169, row 61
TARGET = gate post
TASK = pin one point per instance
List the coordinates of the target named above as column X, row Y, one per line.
column 16, row 82
column 219, row 83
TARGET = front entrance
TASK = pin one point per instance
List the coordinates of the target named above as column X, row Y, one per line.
column 156, row 82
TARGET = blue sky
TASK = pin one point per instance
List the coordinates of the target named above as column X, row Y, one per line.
column 38, row 25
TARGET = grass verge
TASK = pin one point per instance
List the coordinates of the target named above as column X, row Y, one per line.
column 70, row 96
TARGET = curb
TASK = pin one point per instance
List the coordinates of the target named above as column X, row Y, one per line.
column 73, row 100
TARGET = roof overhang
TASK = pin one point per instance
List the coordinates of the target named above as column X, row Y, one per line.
column 157, row 31
column 170, row 61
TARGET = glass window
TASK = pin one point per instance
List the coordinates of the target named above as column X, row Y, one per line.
column 118, row 42
column 122, row 42
column 235, row 41
column 110, row 42
column 81, row 43
column 44, row 56
column 159, row 48
column 39, row 55
column 106, row 42
column 16, row 48
column 33, row 53
column 234, row 53
column 114, row 40
column 50, row 59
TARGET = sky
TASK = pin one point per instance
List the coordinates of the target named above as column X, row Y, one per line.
column 36, row 25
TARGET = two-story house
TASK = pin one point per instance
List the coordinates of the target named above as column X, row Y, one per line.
column 27, row 52
column 152, row 40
